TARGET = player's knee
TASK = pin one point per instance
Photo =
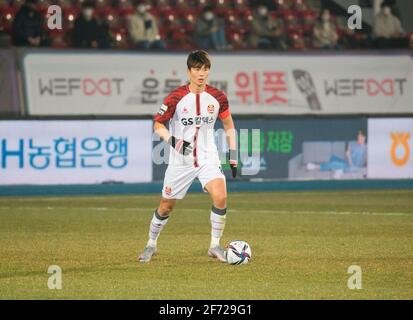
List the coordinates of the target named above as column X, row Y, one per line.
column 166, row 208
column 220, row 201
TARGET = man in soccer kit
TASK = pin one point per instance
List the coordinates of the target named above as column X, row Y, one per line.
column 192, row 111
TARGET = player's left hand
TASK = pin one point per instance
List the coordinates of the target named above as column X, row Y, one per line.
column 233, row 162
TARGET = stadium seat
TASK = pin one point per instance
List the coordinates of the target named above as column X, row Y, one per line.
column 307, row 29
column 184, row 4
column 69, row 16
column 7, row 17
column 120, row 38
column 242, row 13
column 125, row 9
column 57, row 39
column 299, row 5
column 296, row 41
column 230, row 19
column 240, row 4
column 282, row 6
column 293, row 29
column 236, row 40
column 289, row 17
column 200, row 4
column 104, row 12
column 100, row 3
column 188, row 22
column 308, row 16
column 221, row 6
column 162, row 4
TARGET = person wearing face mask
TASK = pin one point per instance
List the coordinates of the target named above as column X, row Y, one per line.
column 27, row 26
column 388, row 30
column 266, row 32
column 143, row 29
column 210, row 31
column 87, row 32
column 325, row 33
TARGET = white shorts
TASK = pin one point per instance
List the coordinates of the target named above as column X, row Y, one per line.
column 178, row 179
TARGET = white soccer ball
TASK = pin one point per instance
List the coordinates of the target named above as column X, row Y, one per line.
column 239, row 252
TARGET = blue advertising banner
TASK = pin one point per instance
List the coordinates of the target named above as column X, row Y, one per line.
column 75, row 152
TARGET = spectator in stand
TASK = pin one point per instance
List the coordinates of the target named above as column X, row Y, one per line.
column 27, row 26
column 355, row 158
column 388, row 30
column 143, row 29
column 266, row 32
column 325, row 32
column 210, row 31
column 87, row 32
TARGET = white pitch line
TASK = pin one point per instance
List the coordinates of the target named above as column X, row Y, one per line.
column 296, row 212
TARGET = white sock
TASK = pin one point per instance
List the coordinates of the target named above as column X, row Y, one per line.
column 157, row 224
column 218, row 217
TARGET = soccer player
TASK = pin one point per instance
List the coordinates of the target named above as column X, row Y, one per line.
column 192, row 110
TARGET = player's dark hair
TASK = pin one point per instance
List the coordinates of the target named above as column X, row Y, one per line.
column 362, row 132
column 197, row 59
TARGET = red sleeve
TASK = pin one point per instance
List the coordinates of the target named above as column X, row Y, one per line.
column 167, row 109
column 222, row 100
column 223, row 106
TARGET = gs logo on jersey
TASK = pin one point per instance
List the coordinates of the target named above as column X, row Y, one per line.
column 198, row 121
column 211, row 108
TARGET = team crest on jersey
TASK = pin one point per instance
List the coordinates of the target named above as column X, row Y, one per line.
column 211, row 108
column 198, row 120
column 168, row 191
column 162, row 110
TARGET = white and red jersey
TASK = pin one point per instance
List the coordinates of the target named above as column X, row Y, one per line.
column 192, row 117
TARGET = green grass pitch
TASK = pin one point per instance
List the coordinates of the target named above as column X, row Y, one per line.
column 302, row 245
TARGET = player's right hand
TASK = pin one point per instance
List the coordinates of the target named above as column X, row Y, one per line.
column 180, row 145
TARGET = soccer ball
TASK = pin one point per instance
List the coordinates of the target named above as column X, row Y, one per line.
column 239, row 252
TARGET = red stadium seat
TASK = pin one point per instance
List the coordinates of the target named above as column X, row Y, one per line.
column 162, row 4
column 299, row 5
column 7, row 16
column 243, row 13
column 121, row 41
column 308, row 16
column 188, row 22
column 294, row 29
column 187, row 4
column 307, row 29
column 236, row 40
column 289, row 17
column 282, row 5
column 101, row 3
column 240, row 4
column 125, row 12
column 230, row 17
column 69, row 16
column 105, row 11
column 200, row 4
column 57, row 39
column 296, row 40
